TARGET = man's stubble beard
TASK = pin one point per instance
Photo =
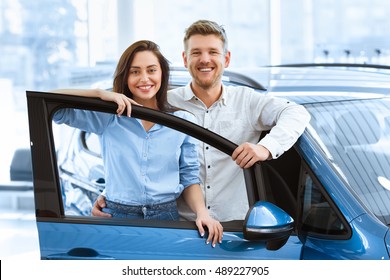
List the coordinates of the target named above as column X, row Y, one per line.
column 209, row 84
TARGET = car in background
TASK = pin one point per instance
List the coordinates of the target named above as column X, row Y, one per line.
column 328, row 197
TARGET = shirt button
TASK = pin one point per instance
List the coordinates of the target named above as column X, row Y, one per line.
column 207, row 148
column 208, row 187
column 208, row 166
column 208, row 207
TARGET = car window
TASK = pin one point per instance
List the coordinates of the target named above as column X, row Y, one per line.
column 319, row 216
column 355, row 136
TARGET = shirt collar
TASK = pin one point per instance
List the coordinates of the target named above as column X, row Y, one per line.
column 155, row 127
column 188, row 93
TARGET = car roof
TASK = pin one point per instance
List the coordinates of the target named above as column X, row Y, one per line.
column 315, row 84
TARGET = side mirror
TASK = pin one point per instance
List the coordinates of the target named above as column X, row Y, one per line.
column 268, row 223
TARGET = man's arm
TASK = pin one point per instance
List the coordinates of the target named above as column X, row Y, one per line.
column 285, row 120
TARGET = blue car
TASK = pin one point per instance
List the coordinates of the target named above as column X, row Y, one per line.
column 326, row 198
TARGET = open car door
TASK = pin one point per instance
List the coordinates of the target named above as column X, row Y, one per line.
column 264, row 234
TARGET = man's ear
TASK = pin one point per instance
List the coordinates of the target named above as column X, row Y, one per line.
column 184, row 55
column 227, row 59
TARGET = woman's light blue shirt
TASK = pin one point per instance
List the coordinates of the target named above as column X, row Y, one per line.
column 141, row 167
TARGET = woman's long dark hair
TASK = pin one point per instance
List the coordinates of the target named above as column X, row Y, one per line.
column 123, row 68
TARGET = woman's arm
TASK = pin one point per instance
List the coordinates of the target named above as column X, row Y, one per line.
column 122, row 100
column 81, row 92
column 194, row 198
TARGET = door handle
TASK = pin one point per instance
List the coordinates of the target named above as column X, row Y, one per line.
column 80, row 253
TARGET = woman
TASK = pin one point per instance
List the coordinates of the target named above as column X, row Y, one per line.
column 147, row 166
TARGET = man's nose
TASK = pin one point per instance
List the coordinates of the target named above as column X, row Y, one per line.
column 205, row 57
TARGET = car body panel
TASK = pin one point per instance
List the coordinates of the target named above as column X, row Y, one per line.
column 131, row 242
column 387, row 241
column 367, row 242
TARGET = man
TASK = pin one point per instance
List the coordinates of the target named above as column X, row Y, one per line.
column 236, row 113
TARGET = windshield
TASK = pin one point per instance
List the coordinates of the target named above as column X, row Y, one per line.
column 355, row 135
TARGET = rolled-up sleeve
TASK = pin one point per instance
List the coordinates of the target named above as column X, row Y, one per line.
column 286, row 121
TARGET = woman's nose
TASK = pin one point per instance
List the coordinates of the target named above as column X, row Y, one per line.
column 144, row 77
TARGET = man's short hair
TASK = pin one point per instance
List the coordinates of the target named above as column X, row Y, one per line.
column 206, row 27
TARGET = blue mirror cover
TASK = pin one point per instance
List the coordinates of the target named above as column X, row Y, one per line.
column 266, row 221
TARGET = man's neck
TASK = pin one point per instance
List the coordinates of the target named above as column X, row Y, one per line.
column 208, row 95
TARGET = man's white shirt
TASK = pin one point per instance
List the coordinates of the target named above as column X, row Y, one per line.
column 240, row 115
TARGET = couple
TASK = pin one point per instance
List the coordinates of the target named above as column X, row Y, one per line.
column 215, row 189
